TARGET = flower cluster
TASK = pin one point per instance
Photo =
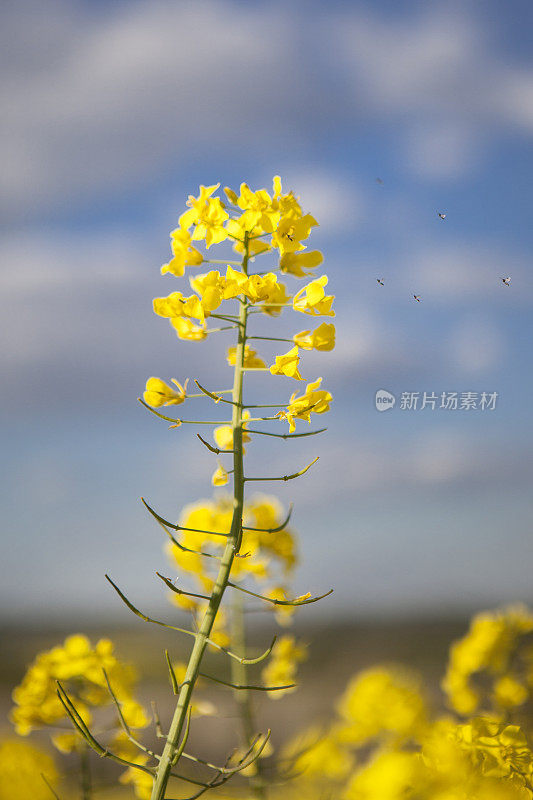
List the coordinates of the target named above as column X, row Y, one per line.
column 84, row 671
column 247, row 220
column 385, row 743
column 498, row 644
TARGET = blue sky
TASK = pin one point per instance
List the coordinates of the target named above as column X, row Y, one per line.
column 113, row 114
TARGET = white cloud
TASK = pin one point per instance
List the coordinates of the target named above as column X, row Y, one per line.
column 365, row 341
column 433, row 458
column 440, row 76
column 333, row 201
column 513, row 97
column 67, row 295
column 410, row 63
column 446, row 150
column 99, row 98
column 117, row 94
column 467, row 271
column 476, row 345
column 34, row 264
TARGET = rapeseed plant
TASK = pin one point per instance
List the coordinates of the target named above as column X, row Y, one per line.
column 229, row 541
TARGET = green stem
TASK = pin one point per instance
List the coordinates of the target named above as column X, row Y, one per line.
column 232, row 547
column 243, row 697
column 86, row 786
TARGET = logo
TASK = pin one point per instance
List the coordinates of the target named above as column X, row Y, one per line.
column 384, row 400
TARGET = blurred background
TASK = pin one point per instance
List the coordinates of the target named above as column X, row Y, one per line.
column 380, row 116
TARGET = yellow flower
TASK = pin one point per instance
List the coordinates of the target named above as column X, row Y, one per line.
column 277, row 299
column 158, row 393
column 187, row 330
column 80, row 668
column 223, row 435
column 315, row 754
column 313, row 300
column 315, row 400
column 287, row 364
column 238, row 228
column 283, row 664
column 266, row 551
column 508, row 692
column 291, row 230
column 176, row 305
column 260, row 288
column 231, row 195
column 66, row 742
column 210, row 287
column 322, row 338
column 234, row 283
column 134, row 713
column 208, row 216
column 184, row 255
column 489, row 645
column 220, row 476
column 142, row 781
column 391, row 776
column 504, row 748
column 383, row 702
column 258, row 208
column 21, row 769
column 251, row 359
column 294, row 263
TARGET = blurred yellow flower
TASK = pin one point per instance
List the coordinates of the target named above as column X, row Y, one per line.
column 316, row 754
column 187, row 330
column 142, row 781
column 295, row 263
column 223, row 435
column 283, row 614
column 383, row 702
column 80, row 667
column 21, row 769
column 220, row 476
column 283, row 665
column 391, row 776
column 493, row 639
column 251, row 359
